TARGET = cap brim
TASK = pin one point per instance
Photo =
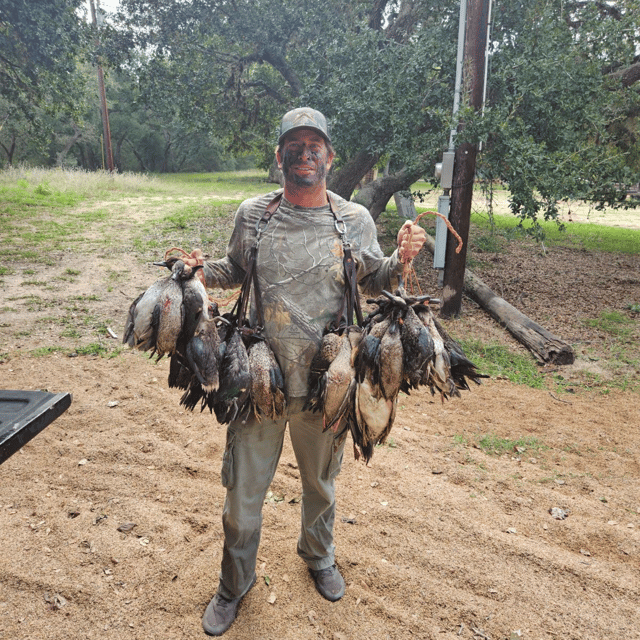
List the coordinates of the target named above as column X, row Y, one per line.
column 305, row 126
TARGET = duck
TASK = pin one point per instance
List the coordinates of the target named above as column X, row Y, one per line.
column 379, row 378
column 168, row 314
column 374, row 417
column 367, row 359
column 202, row 353
column 326, row 354
column 438, row 375
column 154, row 321
column 461, row 367
column 194, row 391
column 197, row 309
column 390, row 360
column 417, row 347
column 231, row 401
column 267, row 383
column 340, row 381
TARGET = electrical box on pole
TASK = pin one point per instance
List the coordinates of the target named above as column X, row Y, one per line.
column 444, row 171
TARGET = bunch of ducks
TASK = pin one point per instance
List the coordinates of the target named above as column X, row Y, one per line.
column 228, row 368
column 355, row 378
column 358, row 373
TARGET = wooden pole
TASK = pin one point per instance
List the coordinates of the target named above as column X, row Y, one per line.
column 465, row 158
column 103, row 99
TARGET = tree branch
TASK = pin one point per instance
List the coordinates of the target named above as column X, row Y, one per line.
column 375, row 195
column 345, row 180
column 627, row 76
column 269, row 90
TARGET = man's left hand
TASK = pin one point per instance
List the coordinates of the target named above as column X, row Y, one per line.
column 194, row 259
column 411, row 237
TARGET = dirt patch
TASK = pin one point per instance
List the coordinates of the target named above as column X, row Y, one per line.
column 445, row 535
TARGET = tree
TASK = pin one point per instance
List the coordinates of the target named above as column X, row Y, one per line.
column 560, row 104
column 380, row 71
column 39, row 45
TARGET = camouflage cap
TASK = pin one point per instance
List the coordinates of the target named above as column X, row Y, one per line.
column 304, row 118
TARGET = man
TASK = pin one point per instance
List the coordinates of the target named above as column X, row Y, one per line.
column 301, row 279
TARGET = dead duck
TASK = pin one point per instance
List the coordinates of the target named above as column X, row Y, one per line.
column 461, row 367
column 195, row 392
column 326, row 354
column 390, row 361
column 155, row 318
column 140, row 329
column 202, row 353
column 187, row 360
column 267, row 383
column 231, row 401
column 418, row 348
column 373, row 419
column 169, row 312
column 438, row 375
column 379, row 376
column 340, row 380
column 367, row 359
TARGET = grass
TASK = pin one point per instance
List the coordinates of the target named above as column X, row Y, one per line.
column 498, row 361
column 206, row 224
column 614, row 323
column 493, row 444
column 578, row 235
column 45, row 213
column 235, row 186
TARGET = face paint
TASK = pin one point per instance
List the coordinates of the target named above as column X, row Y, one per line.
column 304, row 158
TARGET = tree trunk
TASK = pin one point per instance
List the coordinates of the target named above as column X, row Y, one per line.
column 375, row 195
column 143, row 168
column 61, row 155
column 544, row 345
column 275, row 175
column 460, row 218
column 10, row 150
column 346, row 179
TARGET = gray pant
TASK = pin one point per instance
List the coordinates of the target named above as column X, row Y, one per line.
column 249, row 464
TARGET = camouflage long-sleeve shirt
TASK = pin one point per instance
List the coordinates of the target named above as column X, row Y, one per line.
column 301, row 274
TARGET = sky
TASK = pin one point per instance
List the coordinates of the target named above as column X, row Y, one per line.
column 106, row 5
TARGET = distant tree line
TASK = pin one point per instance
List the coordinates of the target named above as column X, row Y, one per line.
column 200, row 85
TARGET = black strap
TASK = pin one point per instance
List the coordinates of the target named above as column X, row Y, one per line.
column 351, row 300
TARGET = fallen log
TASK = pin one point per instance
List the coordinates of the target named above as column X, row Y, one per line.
column 544, row 345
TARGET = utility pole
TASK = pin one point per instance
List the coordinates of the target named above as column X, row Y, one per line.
column 103, row 96
column 475, row 44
